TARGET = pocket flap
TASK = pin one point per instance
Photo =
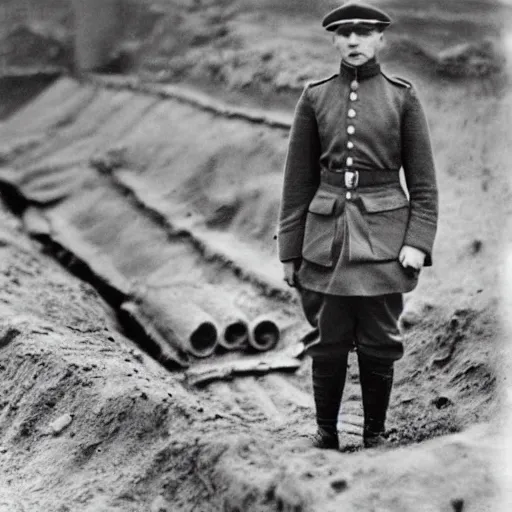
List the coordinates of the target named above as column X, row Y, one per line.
column 384, row 201
column 322, row 204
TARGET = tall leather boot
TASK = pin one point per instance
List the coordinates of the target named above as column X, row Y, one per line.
column 328, row 384
column 376, row 379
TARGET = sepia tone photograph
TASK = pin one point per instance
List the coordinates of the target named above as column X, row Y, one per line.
column 255, row 256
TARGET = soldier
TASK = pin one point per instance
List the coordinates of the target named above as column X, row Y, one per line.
column 350, row 238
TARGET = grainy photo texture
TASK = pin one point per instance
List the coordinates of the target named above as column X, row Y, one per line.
column 255, row 256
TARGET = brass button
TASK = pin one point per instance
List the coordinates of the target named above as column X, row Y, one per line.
column 351, row 130
column 353, row 96
column 350, row 145
column 354, row 85
column 351, row 113
column 350, row 161
column 349, row 195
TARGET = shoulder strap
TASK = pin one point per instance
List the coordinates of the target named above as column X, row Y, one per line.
column 322, row 81
column 396, row 80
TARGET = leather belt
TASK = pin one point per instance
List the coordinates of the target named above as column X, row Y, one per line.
column 352, row 179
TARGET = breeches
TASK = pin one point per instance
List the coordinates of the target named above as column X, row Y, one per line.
column 369, row 324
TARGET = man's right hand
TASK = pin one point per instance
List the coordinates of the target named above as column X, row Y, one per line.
column 289, row 268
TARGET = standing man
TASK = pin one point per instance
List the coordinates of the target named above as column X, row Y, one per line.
column 350, row 239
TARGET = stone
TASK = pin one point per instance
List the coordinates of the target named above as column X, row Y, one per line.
column 159, row 504
column 61, row 423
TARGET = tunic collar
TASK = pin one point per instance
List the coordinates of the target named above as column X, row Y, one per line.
column 367, row 70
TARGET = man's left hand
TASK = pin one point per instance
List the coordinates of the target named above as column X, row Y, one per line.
column 410, row 257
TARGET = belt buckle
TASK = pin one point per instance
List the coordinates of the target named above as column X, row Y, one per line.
column 351, row 179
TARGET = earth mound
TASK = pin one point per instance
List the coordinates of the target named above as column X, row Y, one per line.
column 172, row 174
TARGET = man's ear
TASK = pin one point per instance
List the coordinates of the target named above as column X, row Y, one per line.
column 382, row 40
column 334, row 40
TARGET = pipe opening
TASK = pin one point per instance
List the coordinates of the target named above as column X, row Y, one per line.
column 265, row 335
column 203, row 340
column 235, row 335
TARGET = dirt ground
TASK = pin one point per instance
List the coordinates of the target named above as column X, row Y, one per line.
column 123, row 191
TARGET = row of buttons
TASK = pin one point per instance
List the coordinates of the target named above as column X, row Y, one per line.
column 351, row 130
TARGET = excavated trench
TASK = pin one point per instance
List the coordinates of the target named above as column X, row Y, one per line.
column 165, row 202
column 127, row 205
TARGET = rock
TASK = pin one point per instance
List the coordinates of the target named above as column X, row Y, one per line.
column 57, row 426
column 410, row 317
column 8, row 335
column 109, row 161
column 441, row 402
column 415, row 311
column 339, row 484
column 159, row 504
column 476, row 246
column 137, row 355
column 457, row 505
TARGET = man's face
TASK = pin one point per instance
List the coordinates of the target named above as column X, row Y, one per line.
column 357, row 44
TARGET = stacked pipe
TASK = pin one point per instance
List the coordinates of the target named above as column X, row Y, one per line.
column 201, row 318
column 260, row 334
column 264, row 333
column 234, row 327
column 182, row 322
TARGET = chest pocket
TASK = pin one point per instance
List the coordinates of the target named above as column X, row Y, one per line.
column 320, row 229
column 386, row 214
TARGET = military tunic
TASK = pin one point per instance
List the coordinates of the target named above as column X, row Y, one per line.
column 348, row 241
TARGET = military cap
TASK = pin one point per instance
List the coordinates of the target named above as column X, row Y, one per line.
column 356, row 13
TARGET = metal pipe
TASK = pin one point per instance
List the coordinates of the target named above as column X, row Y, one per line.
column 264, row 333
column 180, row 321
column 235, row 334
column 158, row 347
column 233, row 324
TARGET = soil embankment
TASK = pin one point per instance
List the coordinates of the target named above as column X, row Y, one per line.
column 140, row 187
column 89, row 422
